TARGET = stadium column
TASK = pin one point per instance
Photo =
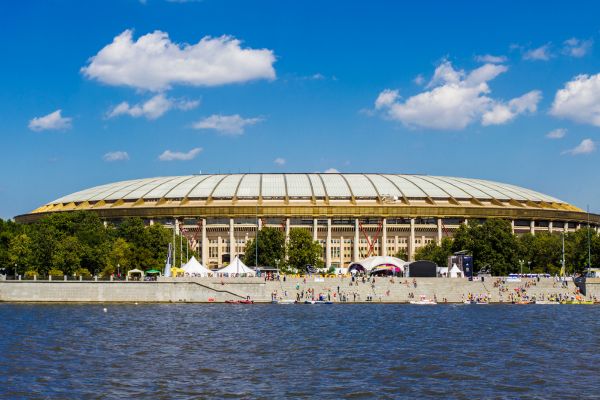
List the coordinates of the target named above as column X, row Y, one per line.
column 512, row 226
column 315, row 229
column 287, row 230
column 411, row 241
column 532, row 227
column 204, row 244
column 439, row 231
column 383, row 245
column 328, row 244
column 355, row 243
column 550, row 226
column 231, row 240
column 342, row 252
column 176, row 226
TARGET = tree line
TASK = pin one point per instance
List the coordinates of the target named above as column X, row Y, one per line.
column 78, row 243
column 494, row 246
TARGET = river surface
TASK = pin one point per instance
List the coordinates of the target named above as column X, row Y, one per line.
column 192, row 351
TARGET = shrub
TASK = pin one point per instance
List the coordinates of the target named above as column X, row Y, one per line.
column 56, row 273
column 30, row 274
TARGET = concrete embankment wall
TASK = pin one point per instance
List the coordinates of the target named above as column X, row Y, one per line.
column 40, row 291
column 202, row 290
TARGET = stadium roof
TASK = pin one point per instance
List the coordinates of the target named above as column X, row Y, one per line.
column 306, row 186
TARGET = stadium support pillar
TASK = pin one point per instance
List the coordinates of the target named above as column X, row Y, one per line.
column 512, row 226
column 204, row 244
column 176, row 225
column 342, row 252
column 315, row 229
column 287, row 230
column 550, row 227
column 411, row 241
column 532, row 227
column 355, row 243
column 231, row 239
column 383, row 246
column 151, row 222
column 328, row 244
column 439, row 231
column 259, row 225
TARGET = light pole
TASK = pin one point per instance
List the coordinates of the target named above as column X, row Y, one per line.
column 119, row 270
column 521, row 262
column 16, row 274
column 529, row 266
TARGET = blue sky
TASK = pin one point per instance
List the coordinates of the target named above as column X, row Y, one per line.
column 160, row 88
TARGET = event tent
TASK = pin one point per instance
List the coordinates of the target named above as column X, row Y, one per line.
column 237, row 267
column 455, row 272
column 371, row 263
column 193, row 267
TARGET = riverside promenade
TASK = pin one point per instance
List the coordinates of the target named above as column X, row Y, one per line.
column 335, row 289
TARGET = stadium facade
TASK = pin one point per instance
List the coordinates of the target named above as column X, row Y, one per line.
column 352, row 215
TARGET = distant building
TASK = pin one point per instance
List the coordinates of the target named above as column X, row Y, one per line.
column 353, row 216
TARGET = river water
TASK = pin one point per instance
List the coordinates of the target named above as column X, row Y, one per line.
column 192, row 351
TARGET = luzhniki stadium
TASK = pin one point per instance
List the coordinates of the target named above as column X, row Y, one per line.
column 352, row 215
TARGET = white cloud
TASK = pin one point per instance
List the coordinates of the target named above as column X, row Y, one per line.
column 419, row 80
column 488, row 58
column 279, row 161
column 386, row 98
column 153, row 62
column 455, row 100
column 169, row 155
column 115, row 156
column 576, row 47
column 504, row 112
column 586, row 146
column 579, row 100
column 226, row 124
column 331, row 171
column 541, row 53
column 556, row 133
column 153, row 108
column 52, row 121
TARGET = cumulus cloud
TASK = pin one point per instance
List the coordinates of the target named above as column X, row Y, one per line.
column 53, row 121
column 226, row 124
column 576, row 47
column 456, row 99
column 488, row 58
column 153, row 108
column 169, row 155
column 331, row 171
column 504, row 112
column 579, row 100
column 115, row 156
column 279, row 161
column 541, row 53
column 556, row 133
column 586, row 146
column 419, row 80
column 153, row 62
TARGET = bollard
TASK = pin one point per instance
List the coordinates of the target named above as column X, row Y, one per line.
column 127, row 278
column 35, row 277
column 96, row 278
column 19, row 277
column 111, row 277
column 64, row 278
column 49, row 277
column 80, row 278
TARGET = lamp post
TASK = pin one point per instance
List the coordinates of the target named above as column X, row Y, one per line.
column 529, row 266
column 521, row 262
column 119, row 270
column 16, row 274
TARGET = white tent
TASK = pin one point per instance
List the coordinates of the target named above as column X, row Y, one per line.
column 237, row 267
column 370, row 263
column 455, row 272
column 193, row 267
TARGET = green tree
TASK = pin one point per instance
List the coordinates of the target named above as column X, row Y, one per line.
column 271, row 248
column 20, row 253
column 67, row 255
column 302, row 250
column 120, row 255
column 437, row 254
column 491, row 243
column 401, row 254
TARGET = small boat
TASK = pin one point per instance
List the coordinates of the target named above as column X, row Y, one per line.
column 546, row 302
column 239, row 301
column 284, row 301
column 423, row 300
column 317, row 302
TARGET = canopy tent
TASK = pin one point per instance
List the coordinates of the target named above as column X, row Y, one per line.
column 237, row 267
column 455, row 272
column 153, row 272
column 370, row 264
column 135, row 272
column 193, row 267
